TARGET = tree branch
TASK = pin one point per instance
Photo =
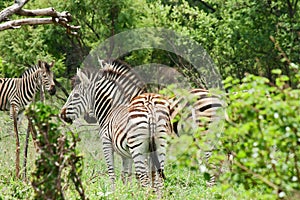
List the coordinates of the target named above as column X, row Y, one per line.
column 208, row 6
column 38, row 21
column 4, row 14
column 260, row 177
column 40, row 12
column 29, row 21
column 50, row 14
column 62, row 88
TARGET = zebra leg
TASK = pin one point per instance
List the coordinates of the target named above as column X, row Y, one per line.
column 127, row 170
column 14, row 116
column 211, row 168
column 109, row 158
column 25, row 152
column 158, row 174
column 140, row 162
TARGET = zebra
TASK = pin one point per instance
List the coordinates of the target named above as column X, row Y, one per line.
column 202, row 109
column 107, row 99
column 16, row 93
column 30, row 71
column 41, row 86
column 120, row 74
column 134, row 132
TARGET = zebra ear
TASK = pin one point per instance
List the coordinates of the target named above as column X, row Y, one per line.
column 52, row 64
column 82, row 77
column 40, row 63
column 101, row 62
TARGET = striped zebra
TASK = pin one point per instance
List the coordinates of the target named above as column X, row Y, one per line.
column 30, row 71
column 16, row 93
column 138, row 132
column 128, row 80
column 107, row 98
column 199, row 110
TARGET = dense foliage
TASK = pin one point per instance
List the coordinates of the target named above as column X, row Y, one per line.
column 235, row 33
column 264, row 134
column 58, row 161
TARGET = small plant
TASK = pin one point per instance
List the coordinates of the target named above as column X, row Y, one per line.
column 58, row 161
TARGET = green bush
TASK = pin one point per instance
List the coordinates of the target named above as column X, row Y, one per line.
column 58, row 161
column 263, row 134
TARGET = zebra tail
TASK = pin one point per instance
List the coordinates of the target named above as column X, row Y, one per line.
column 153, row 153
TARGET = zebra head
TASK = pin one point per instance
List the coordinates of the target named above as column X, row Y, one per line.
column 79, row 100
column 47, row 76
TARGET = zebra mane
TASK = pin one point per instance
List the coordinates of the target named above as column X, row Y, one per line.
column 95, row 77
column 92, row 75
column 34, row 68
column 122, row 75
column 29, row 71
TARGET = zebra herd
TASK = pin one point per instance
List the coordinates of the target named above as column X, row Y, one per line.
column 133, row 123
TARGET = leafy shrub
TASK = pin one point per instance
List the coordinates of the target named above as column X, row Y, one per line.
column 58, row 161
column 263, row 134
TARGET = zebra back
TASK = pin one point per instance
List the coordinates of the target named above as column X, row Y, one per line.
column 126, row 77
column 202, row 108
column 206, row 107
column 29, row 71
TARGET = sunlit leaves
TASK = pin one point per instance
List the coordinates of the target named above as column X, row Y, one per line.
column 264, row 132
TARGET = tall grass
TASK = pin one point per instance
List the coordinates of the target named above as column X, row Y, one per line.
column 181, row 182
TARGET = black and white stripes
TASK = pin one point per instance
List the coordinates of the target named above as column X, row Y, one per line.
column 138, row 132
column 199, row 110
column 19, row 92
column 135, row 126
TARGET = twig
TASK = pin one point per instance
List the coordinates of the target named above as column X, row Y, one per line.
column 260, row 177
column 58, row 84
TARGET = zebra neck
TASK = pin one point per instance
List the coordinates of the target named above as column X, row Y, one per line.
column 29, row 86
column 107, row 96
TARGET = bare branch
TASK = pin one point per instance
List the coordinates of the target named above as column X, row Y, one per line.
column 260, row 177
column 38, row 21
column 4, row 14
column 50, row 14
column 29, row 21
column 38, row 12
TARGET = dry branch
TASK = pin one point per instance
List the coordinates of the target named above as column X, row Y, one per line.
column 47, row 16
column 4, row 14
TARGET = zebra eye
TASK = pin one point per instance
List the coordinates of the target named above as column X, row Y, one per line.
column 76, row 95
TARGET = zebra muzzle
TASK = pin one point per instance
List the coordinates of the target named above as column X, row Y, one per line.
column 90, row 119
column 52, row 90
column 64, row 117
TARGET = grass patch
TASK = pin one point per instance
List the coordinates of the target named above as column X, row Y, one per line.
column 181, row 183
